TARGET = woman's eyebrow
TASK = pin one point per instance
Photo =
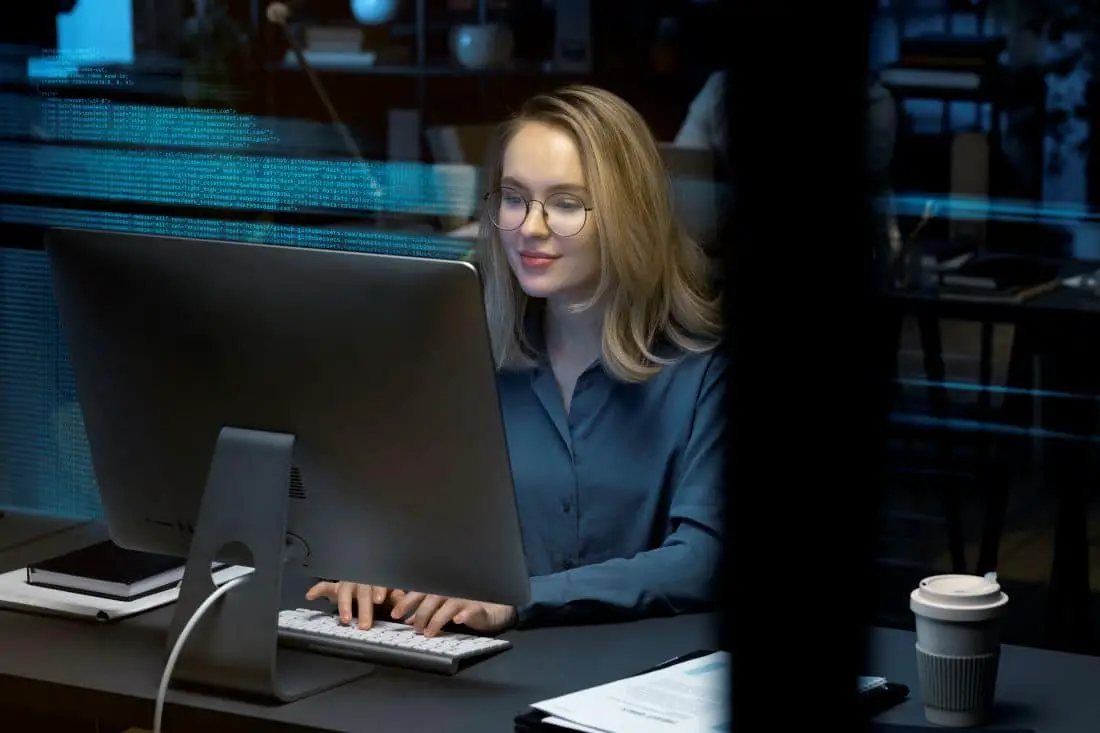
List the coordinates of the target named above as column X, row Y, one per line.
column 560, row 187
column 568, row 188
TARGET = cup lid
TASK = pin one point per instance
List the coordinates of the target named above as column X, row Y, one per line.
column 960, row 592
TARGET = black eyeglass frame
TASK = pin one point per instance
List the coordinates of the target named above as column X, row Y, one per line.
column 545, row 217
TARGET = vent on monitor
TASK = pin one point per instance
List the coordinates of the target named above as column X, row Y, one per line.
column 297, row 489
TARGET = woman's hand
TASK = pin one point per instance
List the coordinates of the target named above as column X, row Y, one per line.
column 342, row 594
column 431, row 613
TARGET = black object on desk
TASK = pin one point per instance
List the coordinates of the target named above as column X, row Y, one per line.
column 877, row 700
column 897, row 728
column 106, row 570
column 531, row 722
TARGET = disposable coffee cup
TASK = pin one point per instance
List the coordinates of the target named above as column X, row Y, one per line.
column 958, row 646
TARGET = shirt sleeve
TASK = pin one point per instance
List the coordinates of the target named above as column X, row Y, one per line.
column 703, row 127
column 677, row 577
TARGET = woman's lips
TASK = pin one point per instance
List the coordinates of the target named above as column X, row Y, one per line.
column 536, row 259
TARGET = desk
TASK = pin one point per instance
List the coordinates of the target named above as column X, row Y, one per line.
column 1066, row 304
column 110, row 673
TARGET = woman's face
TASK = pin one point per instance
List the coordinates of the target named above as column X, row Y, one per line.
column 554, row 252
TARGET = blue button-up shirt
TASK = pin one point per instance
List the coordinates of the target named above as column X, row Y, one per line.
column 620, row 499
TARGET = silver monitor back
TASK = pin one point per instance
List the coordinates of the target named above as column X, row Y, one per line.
column 379, row 365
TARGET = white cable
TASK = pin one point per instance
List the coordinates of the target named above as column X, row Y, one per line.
column 162, row 693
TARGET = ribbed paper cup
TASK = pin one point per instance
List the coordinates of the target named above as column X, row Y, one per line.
column 958, row 646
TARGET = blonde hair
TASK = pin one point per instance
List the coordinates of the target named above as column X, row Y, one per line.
column 654, row 281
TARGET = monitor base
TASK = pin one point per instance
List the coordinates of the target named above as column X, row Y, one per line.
column 234, row 648
column 301, row 674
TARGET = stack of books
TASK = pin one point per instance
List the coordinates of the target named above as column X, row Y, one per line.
column 103, row 582
column 106, row 570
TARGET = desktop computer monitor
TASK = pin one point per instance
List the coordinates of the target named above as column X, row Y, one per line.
column 329, row 412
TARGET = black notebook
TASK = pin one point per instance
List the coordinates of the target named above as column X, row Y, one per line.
column 108, row 571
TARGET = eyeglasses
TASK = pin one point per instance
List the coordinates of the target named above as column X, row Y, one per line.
column 564, row 213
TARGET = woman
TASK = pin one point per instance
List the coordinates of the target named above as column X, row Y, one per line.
column 605, row 331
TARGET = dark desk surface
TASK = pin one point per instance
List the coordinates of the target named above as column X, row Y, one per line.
column 110, row 672
column 1049, row 692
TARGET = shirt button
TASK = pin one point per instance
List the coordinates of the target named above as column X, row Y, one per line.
column 566, row 506
column 569, row 563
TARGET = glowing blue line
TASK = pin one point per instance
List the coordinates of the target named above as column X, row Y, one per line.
column 976, row 426
column 914, row 204
column 995, row 389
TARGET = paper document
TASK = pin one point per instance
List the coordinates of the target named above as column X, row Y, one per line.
column 686, row 698
column 866, row 684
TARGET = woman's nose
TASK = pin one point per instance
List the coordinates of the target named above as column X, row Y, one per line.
column 535, row 223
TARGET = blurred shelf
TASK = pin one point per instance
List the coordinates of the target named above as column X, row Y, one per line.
column 364, row 63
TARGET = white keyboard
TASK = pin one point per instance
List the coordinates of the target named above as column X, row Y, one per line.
column 385, row 642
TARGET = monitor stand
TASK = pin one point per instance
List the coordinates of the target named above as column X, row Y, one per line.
column 235, row 647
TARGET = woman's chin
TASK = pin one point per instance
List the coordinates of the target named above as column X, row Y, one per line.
column 536, row 287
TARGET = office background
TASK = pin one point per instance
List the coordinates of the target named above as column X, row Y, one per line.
column 192, row 119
